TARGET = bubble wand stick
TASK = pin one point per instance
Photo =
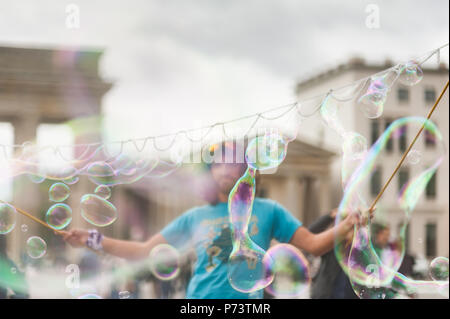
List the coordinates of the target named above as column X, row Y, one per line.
column 35, row 219
column 407, row 150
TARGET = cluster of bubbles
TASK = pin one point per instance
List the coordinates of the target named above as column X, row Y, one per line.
column 374, row 98
column 374, row 273
column 59, row 215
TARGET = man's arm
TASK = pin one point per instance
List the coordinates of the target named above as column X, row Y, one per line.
column 130, row 250
column 319, row 244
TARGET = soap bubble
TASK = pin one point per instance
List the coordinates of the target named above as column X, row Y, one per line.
column 411, row 73
column 123, row 164
column 7, row 218
column 97, row 211
column 24, row 228
column 248, row 264
column 14, row 270
column 58, row 192
column 37, row 179
column 439, row 268
column 90, row 296
column 354, row 145
column 71, row 180
column 291, row 271
column 101, row 173
column 124, row 294
column 59, row 216
column 164, row 262
column 266, row 152
column 103, row 191
column 36, row 247
column 358, row 255
column 414, row 157
column 375, row 97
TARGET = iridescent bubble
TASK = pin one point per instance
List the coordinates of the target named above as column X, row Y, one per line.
column 37, row 179
column 414, row 157
column 101, row 173
column 123, row 164
column 71, row 180
column 354, row 145
column 90, row 296
column 375, row 97
column 291, row 271
column 359, row 256
column 59, row 216
column 14, row 270
column 103, row 191
column 439, row 269
column 164, row 262
column 248, row 267
column 58, row 192
column 97, row 211
column 411, row 73
column 36, row 247
column 248, row 263
column 7, row 218
column 266, row 152
column 124, row 294
column 24, row 228
column 373, row 111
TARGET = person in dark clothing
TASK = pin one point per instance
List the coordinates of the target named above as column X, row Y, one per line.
column 10, row 276
column 330, row 282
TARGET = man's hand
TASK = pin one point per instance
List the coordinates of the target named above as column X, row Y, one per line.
column 356, row 218
column 76, row 237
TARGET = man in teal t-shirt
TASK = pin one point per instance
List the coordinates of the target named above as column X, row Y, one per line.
column 207, row 229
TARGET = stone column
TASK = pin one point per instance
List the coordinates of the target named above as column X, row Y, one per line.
column 25, row 194
column 324, row 194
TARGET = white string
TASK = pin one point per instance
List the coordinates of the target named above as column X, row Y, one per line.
column 420, row 60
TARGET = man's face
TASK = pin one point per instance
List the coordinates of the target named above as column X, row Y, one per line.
column 383, row 237
column 226, row 175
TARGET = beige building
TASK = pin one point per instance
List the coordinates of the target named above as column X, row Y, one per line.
column 428, row 233
column 46, row 86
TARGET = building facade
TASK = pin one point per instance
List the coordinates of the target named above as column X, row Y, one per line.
column 428, row 231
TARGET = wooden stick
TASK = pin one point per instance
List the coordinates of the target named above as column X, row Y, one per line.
column 35, row 219
column 408, row 149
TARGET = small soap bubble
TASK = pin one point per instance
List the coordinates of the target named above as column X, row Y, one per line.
column 24, row 228
column 164, row 262
column 439, row 269
column 90, row 296
column 124, row 294
column 36, row 247
column 103, row 191
column 414, row 157
column 411, row 73
column 58, row 192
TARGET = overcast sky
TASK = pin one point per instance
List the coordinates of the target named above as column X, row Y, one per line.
column 181, row 64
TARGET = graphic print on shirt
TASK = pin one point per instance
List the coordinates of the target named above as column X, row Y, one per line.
column 219, row 248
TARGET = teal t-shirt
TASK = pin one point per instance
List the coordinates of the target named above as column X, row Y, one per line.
column 207, row 229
